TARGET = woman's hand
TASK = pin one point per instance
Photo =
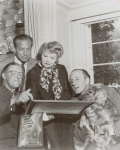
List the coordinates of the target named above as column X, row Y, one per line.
column 47, row 117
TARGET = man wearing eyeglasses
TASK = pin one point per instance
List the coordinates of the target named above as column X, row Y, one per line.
column 23, row 46
column 12, row 75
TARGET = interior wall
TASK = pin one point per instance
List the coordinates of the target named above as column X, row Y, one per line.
column 63, row 36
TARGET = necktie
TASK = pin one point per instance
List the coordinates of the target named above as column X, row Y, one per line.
column 12, row 103
column 23, row 78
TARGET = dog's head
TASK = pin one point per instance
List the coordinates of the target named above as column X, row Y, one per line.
column 95, row 93
column 89, row 94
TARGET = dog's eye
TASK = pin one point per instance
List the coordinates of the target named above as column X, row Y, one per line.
column 102, row 134
column 90, row 91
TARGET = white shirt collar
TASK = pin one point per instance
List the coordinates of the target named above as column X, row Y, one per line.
column 17, row 60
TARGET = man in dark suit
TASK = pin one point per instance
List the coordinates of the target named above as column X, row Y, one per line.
column 23, row 45
column 12, row 75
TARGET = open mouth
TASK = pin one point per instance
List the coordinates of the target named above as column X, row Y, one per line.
column 16, row 80
column 25, row 57
column 47, row 64
column 76, row 88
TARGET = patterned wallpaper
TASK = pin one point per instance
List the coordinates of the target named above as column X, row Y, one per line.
column 11, row 23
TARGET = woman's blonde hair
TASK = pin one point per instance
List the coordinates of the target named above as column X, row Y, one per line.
column 51, row 47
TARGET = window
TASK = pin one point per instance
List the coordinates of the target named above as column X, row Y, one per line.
column 95, row 47
column 106, row 51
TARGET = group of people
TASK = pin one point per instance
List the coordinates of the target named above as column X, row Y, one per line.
column 25, row 78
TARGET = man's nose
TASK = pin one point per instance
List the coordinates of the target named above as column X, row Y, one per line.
column 25, row 52
column 73, row 83
column 17, row 76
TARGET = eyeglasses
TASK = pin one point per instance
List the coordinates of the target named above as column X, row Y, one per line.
column 16, row 74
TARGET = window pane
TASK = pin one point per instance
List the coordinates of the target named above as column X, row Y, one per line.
column 107, row 30
column 106, row 52
column 107, row 74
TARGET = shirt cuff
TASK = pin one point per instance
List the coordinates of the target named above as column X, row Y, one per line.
column 12, row 108
column 12, row 104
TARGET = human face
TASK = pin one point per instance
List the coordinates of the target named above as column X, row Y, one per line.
column 10, row 81
column 23, row 50
column 78, row 81
column 48, row 59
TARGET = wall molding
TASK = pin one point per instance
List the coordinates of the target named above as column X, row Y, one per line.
column 83, row 4
column 96, row 9
column 61, row 10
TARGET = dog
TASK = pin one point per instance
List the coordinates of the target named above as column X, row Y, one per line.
column 89, row 94
column 101, row 128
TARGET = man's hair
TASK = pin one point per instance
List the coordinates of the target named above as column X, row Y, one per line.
column 8, row 65
column 22, row 37
column 85, row 73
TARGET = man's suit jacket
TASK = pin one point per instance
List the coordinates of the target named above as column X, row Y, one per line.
column 7, row 58
column 8, row 122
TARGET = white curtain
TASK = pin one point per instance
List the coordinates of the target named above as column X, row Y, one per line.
column 40, row 22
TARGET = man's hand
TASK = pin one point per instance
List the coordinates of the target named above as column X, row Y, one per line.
column 90, row 112
column 23, row 97
column 84, row 122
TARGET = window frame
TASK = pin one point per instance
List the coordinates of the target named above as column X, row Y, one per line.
column 81, row 42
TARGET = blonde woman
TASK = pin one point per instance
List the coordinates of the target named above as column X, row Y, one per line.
column 48, row 80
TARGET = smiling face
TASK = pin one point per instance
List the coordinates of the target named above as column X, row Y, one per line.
column 23, row 50
column 11, row 81
column 48, row 59
column 78, row 81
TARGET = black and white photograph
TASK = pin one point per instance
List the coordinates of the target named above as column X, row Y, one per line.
column 59, row 75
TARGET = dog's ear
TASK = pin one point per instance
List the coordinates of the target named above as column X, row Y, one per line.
column 98, row 85
column 95, row 87
column 97, row 129
column 95, row 98
column 107, row 133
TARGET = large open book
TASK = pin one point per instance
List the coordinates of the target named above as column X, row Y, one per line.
column 31, row 127
column 60, row 106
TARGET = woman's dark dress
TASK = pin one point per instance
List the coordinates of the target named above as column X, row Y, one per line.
column 59, row 130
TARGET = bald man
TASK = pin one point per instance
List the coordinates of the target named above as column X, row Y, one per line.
column 80, row 82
